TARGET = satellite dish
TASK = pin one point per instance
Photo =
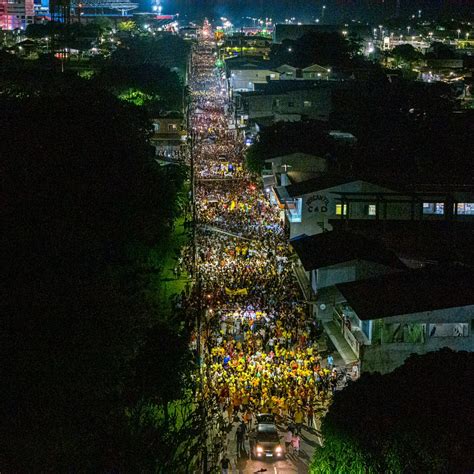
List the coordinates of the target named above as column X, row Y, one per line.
column 322, row 307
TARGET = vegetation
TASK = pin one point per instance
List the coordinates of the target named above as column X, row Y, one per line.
column 415, row 419
column 86, row 214
column 316, row 48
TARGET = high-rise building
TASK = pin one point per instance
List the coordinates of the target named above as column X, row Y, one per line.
column 16, row 14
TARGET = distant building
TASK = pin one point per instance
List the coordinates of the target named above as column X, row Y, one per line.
column 244, row 76
column 16, row 14
column 286, row 100
column 245, row 46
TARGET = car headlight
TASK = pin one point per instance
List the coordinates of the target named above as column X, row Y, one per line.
column 278, row 449
column 259, row 449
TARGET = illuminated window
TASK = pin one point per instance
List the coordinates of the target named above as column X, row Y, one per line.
column 466, row 208
column 341, row 209
column 307, row 103
column 433, row 208
column 372, row 210
column 172, row 127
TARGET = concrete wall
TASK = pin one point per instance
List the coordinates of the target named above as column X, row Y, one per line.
column 384, row 358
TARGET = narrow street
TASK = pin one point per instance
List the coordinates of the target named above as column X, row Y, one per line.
column 257, row 342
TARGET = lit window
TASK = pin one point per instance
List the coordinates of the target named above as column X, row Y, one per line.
column 372, row 210
column 466, row 208
column 172, row 127
column 433, row 208
column 307, row 103
column 341, row 210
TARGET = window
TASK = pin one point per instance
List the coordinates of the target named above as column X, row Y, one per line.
column 433, row 208
column 372, row 209
column 172, row 127
column 307, row 103
column 341, row 209
column 465, row 208
column 295, row 210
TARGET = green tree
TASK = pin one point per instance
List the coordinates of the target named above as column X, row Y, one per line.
column 415, row 419
column 405, row 54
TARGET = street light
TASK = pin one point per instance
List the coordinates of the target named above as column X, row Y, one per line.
column 459, row 32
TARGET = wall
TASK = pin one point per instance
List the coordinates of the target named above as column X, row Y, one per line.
column 387, row 357
column 244, row 79
column 319, row 207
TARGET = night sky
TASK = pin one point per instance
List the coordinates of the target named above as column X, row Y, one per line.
column 336, row 10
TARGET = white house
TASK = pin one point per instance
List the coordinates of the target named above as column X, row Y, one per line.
column 316, row 72
column 244, row 76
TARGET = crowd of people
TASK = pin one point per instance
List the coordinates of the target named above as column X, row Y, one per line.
column 259, row 348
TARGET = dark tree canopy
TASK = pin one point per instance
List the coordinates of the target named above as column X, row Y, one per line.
column 83, row 204
column 416, row 419
column 325, row 49
column 405, row 52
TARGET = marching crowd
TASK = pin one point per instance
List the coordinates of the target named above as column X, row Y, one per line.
column 260, row 352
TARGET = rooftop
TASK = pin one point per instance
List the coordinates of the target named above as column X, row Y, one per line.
column 435, row 241
column 331, row 248
column 413, row 291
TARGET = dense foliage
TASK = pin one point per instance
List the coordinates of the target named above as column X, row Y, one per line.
column 415, row 419
column 84, row 209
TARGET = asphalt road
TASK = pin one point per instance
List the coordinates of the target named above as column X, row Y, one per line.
column 292, row 464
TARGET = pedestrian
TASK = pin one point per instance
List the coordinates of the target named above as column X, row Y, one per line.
column 288, row 438
column 240, row 435
column 299, row 417
column 330, row 361
column 295, row 443
column 310, row 416
column 225, row 463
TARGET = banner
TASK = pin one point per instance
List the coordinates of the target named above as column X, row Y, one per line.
column 238, row 292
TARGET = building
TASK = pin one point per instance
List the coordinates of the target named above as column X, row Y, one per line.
column 169, row 136
column 311, row 205
column 286, row 100
column 16, row 14
column 244, row 74
column 387, row 318
column 245, row 46
column 330, row 258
